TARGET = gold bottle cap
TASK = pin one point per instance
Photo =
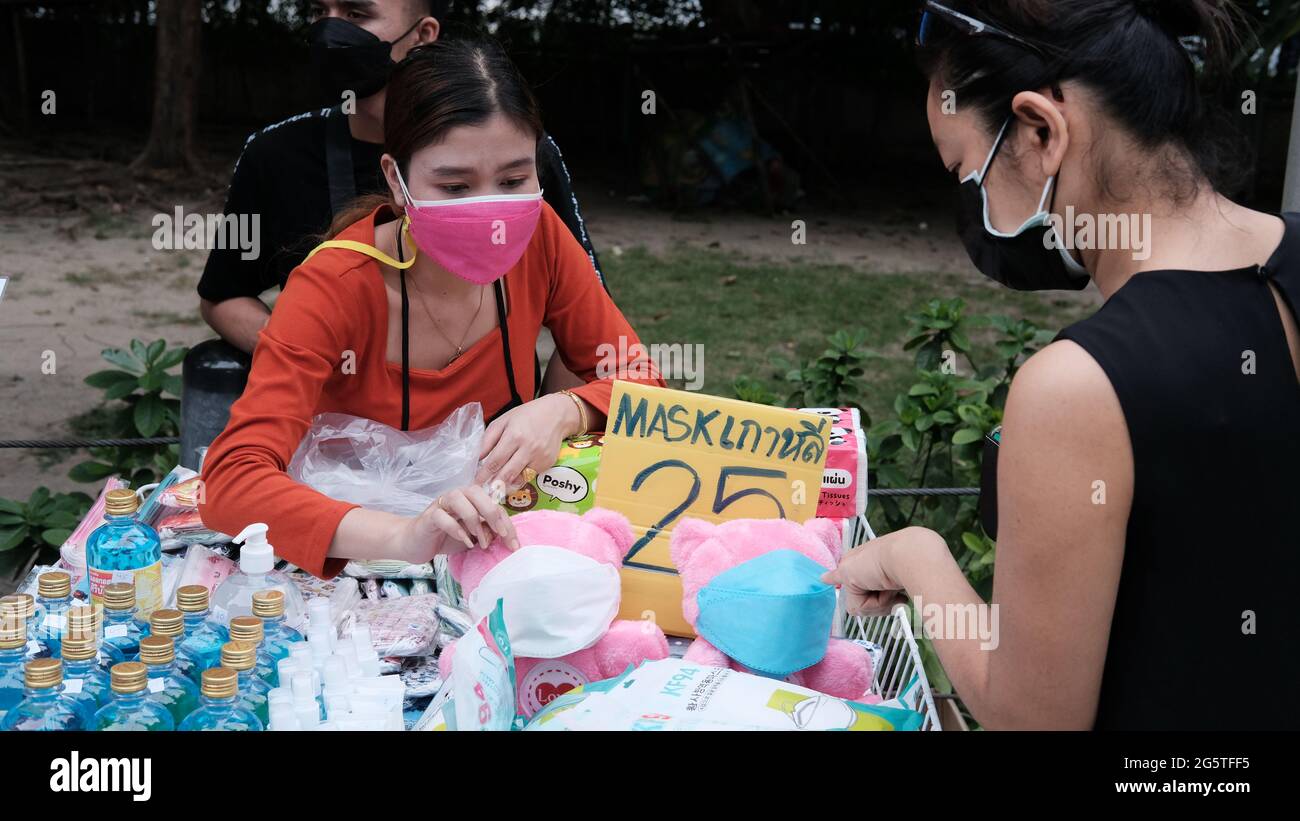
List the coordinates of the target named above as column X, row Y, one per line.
column 219, row 682
column 54, row 585
column 247, row 628
column 191, row 598
column 42, row 673
column 129, row 677
column 119, row 596
column 13, row 630
column 84, row 621
column 82, row 648
column 238, row 655
column 170, row 623
column 157, row 649
column 23, row 603
column 121, row 502
column 268, row 604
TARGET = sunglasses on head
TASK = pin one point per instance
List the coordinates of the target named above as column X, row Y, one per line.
column 936, row 14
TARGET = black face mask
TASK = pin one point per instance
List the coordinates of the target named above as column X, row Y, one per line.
column 1032, row 258
column 349, row 58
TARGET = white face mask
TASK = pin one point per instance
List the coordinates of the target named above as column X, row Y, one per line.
column 556, row 601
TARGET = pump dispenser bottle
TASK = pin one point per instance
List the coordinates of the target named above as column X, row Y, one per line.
column 234, row 596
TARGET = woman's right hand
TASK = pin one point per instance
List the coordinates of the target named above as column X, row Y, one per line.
column 459, row 520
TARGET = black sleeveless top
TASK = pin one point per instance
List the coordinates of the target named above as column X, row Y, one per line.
column 1206, row 631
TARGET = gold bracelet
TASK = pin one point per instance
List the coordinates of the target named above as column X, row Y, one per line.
column 582, row 410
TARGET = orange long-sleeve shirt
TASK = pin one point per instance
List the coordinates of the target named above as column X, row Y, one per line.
column 324, row 350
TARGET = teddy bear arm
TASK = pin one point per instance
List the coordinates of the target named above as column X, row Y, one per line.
column 844, row 672
column 628, row 643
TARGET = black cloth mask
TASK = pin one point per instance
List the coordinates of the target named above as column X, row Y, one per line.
column 349, row 58
column 1032, row 258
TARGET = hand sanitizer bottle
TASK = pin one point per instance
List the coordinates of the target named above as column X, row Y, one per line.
column 175, row 692
column 44, row 707
column 24, row 606
column 121, row 630
column 131, row 709
column 84, row 679
column 249, row 629
column 203, row 635
column 168, row 623
column 234, row 596
column 125, row 550
column 241, row 657
column 268, row 605
column 218, row 710
column 13, row 643
column 54, row 598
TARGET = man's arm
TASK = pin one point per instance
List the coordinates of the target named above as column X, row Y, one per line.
column 230, row 285
column 237, row 320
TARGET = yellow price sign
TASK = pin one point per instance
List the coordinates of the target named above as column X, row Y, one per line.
column 671, row 454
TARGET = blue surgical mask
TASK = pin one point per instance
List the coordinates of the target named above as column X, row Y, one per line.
column 773, row 613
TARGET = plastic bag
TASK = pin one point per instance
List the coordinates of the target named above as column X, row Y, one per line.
column 403, row 626
column 382, row 468
column 673, row 694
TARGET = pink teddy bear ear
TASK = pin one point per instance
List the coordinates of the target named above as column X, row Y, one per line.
column 830, row 534
column 688, row 534
column 616, row 525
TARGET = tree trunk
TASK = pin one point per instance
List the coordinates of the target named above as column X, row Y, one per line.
column 176, row 74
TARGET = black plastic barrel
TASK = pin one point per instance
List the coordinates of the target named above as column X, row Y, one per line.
column 213, row 377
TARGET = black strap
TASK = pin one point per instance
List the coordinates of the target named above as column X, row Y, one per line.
column 515, row 401
column 406, row 344
column 338, row 160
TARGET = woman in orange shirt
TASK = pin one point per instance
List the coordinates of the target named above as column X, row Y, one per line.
column 405, row 320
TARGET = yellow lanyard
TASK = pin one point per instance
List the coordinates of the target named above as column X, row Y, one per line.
column 371, row 251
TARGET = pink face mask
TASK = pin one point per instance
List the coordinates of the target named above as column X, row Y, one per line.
column 479, row 239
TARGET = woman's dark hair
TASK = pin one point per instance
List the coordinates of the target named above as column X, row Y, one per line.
column 438, row 87
column 1129, row 52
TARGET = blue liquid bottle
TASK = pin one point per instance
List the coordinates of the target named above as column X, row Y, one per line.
column 250, row 629
column 44, row 706
column 241, row 656
column 121, row 630
column 24, row 605
column 85, row 680
column 203, row 636
column 13, row 645
column 131, row 709
column 125, row 550
column 268, row 605
column 217, row 709
column 85, row 623
column 53, row 599
column 167, row 687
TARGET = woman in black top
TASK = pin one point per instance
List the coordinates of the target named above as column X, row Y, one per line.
column 1149, row 476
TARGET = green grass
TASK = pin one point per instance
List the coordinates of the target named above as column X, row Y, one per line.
column 744, row 315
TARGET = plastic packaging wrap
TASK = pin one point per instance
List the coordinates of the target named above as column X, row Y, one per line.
column 388, row 569
column 404, row 626
column 382, row 468
column 73, row 552
column 453, row 622
column 202, row 565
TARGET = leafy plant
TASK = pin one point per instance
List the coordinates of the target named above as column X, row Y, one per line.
column 45, row 519
column 833, row 379
column 751, row 390
column 136, row 404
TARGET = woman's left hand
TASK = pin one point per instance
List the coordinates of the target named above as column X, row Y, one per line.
column 528, row 436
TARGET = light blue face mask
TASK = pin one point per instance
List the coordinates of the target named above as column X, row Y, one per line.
column 772, row 614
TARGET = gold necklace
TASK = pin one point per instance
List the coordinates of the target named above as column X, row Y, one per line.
column 460, row 349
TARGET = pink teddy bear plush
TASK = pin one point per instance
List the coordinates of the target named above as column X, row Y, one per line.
column 703, row 551
column 601, row 535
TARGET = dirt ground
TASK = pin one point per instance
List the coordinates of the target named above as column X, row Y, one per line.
column 75, row 243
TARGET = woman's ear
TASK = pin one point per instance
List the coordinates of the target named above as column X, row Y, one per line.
column 389, row 167
column 1045, row 116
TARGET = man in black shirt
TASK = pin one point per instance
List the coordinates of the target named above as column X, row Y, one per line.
column 294, row 175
